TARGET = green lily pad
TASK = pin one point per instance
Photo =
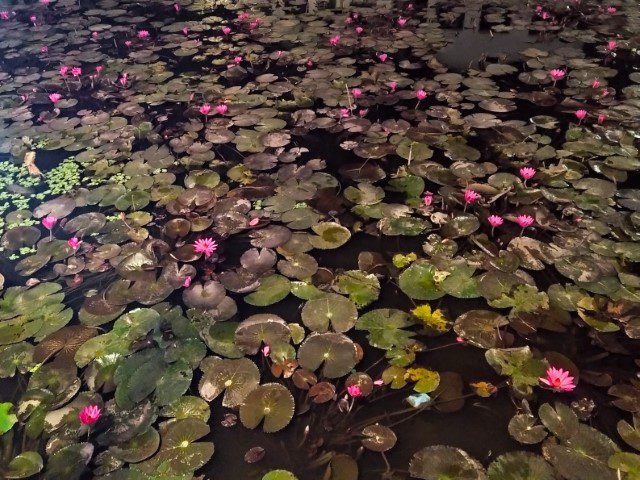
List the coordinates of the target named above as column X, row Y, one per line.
column 270, row 403
column 24, row 465
column 441, row 462
column 330, row 309
column 7, row 420
column 419, row 282
column 279, row 475
column 272, row 289
column 385, row 327
column 520, row 466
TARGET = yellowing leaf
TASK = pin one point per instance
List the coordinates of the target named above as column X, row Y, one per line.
column 426, row 380
column 484, row 389
column 434, row 320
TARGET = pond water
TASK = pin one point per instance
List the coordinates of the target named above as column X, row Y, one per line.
column 274, row 240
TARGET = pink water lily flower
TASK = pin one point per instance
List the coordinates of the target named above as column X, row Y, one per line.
column 187, row 282
column 471, row 196
column 559, row 380
column 243, row 16
column 76, row 71
column 557, row 74
column 123, row 79
column 266, row 350
column 356, row 92
column 601, row 118
column 335, row 40
column 612, row 10
column 393, row 86
column 64, row 70
column 90, row 414
column 421, row 94
column 49, row 221
column 185, row 31
column 74, row 242
column 427, row 199
column 526, row 173
column 237, row 59
column 206, row 246
column 359, row 30
column 55, row 97
column 383, row 57
column 128, row 43
column 363, row 112
column 4, row 15
column 254, row 24
column 612, row 45
column 345, row 112
column 402, row 21
column 226, row 30
column 143, row 34
column 94, row 35
column 99, row 69
column 495, row 220
column 581, row 114
column 177, row 7
column 205, row 109
column 595, row 83
column 525, row 221
column 222, row 108
column 33, row 19
column 354, row 390
column 44, row 49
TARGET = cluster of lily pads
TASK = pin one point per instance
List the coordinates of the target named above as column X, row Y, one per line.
column 272, row 218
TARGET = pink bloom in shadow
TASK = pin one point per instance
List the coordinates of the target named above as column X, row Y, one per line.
column 222, row 108
column 559, row 380
column 90, row 414
column 74, row 242
column 354, row 390
column 495, row 220
column 471, row 196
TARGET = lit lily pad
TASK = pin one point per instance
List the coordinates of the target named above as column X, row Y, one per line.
column 272, row 289
column 271, row 403
column 520, row 466
column 261, row 329
column 329, row 235
column 335, row 352
column 419, row 282
column 378, row 438
column 330, row 309
column 235, row 377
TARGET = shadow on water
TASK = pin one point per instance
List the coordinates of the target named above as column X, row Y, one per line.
column 468, row 47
